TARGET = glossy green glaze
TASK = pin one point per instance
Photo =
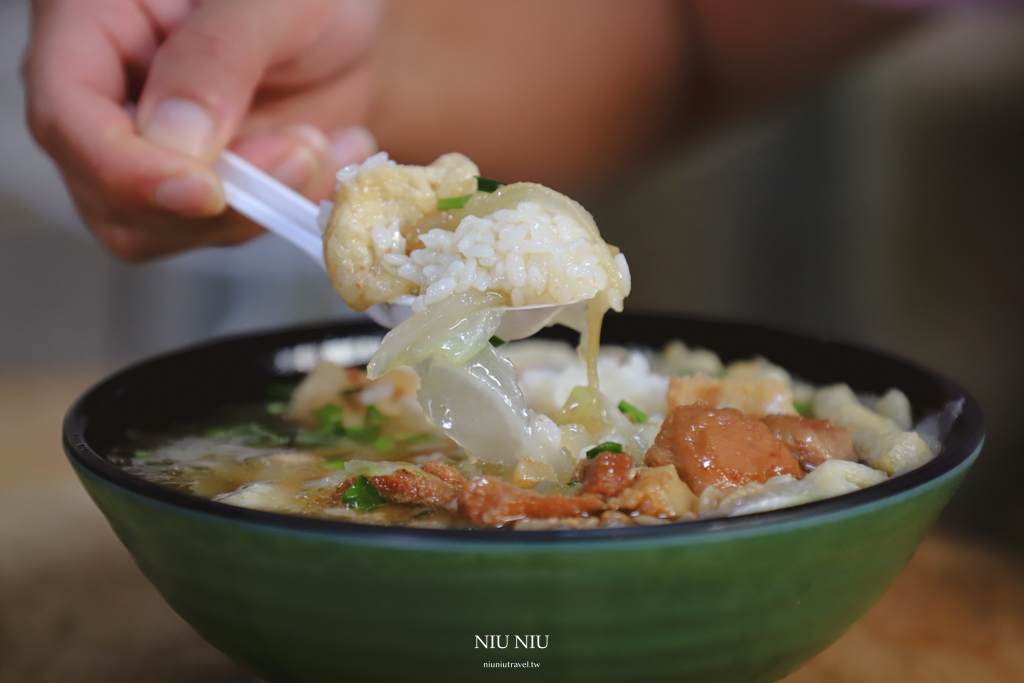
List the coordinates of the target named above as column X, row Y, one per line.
column 747, row 604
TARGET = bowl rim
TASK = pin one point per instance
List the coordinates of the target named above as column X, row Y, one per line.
column 965, row 441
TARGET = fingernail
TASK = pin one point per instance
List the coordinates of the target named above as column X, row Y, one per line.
column 181, row 125
column 352, row 146
column 192, row 194
column 297, row 168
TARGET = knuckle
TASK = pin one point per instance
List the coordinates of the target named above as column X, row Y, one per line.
column 211, row 44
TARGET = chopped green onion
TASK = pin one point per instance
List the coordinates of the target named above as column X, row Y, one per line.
column 383, row 444
column 277, row 408
column 575, row 482
column 606, row 447
column 329, row 417
column 805, row 408
column 632, row 411
column 497, row 341
column 370, row 430
column 449, row 203
column 141, row 454
column 373, row 416
column 488, row 185
column 251, row 435
column 334, row 464
column 361, row 495
column 413, row 439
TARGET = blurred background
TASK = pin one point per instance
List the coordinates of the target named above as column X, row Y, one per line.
column 885, row 207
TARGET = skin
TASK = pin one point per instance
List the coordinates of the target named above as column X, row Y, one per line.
column 566, row 93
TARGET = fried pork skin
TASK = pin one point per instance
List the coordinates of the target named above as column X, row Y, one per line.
column 657, row 492
column 754, row 396
column 415, row 488
column 486, row 501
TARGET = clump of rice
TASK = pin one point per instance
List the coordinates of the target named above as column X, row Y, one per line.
column 529, row 254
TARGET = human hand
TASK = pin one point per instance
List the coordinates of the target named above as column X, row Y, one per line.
column 266, row 77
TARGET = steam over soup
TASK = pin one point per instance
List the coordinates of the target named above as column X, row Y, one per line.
column 449, row 426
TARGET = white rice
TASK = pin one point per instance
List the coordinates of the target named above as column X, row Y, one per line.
column 548, row 371
column 527, row 253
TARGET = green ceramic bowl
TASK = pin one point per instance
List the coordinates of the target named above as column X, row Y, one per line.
column 302, row 600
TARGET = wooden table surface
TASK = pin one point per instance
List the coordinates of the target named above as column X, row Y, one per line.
column 75, row 609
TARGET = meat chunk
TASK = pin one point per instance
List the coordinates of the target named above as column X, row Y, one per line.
column 606, row 475
column 811, row 442
column 445, row 472
column 409, row 486
column 719, row 447
column 657, row 492
column 755, row 397
column 486, row 501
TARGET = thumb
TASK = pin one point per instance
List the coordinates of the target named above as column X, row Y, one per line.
column 203, row 77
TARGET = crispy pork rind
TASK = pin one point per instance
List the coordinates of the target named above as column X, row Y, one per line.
column 382, row 207
column 877, row 440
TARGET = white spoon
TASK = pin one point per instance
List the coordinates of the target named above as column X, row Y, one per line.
column 270, row 203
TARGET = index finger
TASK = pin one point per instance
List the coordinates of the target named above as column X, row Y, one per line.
column 76, row 87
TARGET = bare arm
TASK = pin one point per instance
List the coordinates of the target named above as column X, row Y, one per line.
column 571, row 93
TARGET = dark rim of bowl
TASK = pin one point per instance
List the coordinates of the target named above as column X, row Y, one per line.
column 964, row 439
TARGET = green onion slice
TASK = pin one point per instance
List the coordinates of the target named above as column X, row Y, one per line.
column 383, row 444
column 632, row 411
column 334, row 464
column 370, row 431
column 497, row 341
column 328, row 416
column 805, row 408
column 488, row 185
column 251, row 435
column 141, row 454
column 277, row 408
column 606, row 447
column 362, row 496
column 449, row 203
column 412, row 439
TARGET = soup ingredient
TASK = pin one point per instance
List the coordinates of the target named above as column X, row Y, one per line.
column 719, row 447
column 606, row 447
column 877, row 440
column 413, row 486
column 659, row 493
column 380, row 209
column 832, row 478
column 811, row 442
column 757, row 396
column 360, row 494
column 631, row 411
column 895, row 405
column 487, row 501
column 606, row 474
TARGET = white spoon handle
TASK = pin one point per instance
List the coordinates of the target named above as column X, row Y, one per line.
column 272, row 204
